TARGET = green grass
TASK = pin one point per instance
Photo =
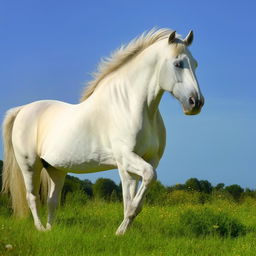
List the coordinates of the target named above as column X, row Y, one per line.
column 90, row 230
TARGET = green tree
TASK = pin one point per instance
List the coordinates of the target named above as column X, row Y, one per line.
column 235, row 190
column 103, row 188
column 176, row 187
column 74, row 184
column 220, row 186
column 114, row 197
column 205, row 186
column 87, row 187
column 193, row 184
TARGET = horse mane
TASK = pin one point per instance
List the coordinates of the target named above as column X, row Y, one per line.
column 121, row 56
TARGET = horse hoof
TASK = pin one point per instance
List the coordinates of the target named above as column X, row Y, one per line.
column 48, row 227
column 40, row 228
column 120, row 232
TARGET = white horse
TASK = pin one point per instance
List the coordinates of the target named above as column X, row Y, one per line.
column 117, row 124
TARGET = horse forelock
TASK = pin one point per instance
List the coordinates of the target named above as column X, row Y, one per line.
column 127, row 52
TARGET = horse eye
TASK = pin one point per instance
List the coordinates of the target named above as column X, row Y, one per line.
column 178, row 64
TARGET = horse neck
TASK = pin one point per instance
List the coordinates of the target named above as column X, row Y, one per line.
column 140, row 82
column 133, row 89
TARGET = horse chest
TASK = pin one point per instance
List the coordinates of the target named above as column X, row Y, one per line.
column 148, row 141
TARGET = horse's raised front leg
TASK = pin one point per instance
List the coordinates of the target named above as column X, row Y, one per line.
column 57, row 179
column 134, row 164
column 129, row 187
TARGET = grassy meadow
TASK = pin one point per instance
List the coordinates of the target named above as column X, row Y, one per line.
column 87, row 227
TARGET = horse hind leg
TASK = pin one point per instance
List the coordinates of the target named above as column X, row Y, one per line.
column 57, row 179
column 32, row 184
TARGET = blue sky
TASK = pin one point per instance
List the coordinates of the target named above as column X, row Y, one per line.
column 49, row 49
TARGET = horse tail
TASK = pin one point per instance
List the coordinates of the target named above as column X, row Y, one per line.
column 45, row 184
column 12, row 178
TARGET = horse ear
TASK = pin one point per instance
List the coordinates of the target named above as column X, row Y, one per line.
column 172, row 37
column 189, row 38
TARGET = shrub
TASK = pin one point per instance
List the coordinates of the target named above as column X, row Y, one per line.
column 76, row 198
column 103, row 189
column 183, row 197
column 248, row 200
column 157, row 194
column 73, row 184
column 114, row 197
column 205, row 198
column 222, row 195
column 5, row 204
column 248, row 193
column 201, row 222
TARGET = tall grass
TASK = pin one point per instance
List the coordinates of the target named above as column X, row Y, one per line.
column 86, row 227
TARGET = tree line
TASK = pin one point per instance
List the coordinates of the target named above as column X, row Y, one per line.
column 192, row 190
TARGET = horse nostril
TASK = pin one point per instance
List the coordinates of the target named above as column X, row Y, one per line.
column 192, row 101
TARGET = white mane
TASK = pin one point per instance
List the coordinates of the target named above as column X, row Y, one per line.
column 122, row 56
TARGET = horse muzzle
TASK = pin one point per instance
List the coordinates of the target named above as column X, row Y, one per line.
column 193, row 105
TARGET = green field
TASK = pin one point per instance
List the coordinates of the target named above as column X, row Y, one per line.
column 89, row 229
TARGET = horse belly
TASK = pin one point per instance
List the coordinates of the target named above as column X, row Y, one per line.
column 86, row 167
column 78, row 155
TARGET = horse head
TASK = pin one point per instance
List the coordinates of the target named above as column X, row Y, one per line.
column 177, row 74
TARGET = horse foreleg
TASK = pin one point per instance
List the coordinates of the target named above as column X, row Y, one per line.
column 134, row 165
column 57, row 179
column 129, row 187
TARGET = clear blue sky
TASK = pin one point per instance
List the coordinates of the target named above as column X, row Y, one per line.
column 49, row 48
